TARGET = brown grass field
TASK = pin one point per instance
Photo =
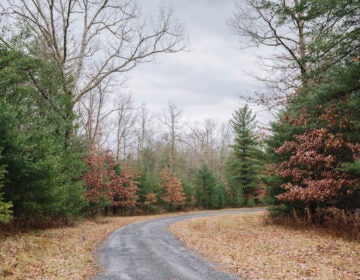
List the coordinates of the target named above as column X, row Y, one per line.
column 252, row 249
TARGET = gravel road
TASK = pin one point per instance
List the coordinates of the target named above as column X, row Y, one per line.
column 147, row 251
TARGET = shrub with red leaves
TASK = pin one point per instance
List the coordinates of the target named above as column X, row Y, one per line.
column 105, row 184
column 312, row 170
column 173, row 193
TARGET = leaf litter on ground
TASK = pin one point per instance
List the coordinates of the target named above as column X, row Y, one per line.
column 59, row 253
column 243, row 244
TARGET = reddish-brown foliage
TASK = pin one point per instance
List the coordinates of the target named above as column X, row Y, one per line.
column 97, row 182
column 105, row 184
column 312, row 167
column 173, row 192
column 150, row 199
column 123, row 188
column 295, row 121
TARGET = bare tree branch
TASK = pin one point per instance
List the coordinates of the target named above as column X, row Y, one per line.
column 293, row 28
column 94, row 40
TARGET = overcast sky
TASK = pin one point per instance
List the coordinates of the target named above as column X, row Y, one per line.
column 206, row 80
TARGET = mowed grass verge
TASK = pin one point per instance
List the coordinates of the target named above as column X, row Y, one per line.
column 243, row 244
column 60, row 253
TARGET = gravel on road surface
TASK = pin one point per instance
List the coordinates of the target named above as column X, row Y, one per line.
column 147, row 251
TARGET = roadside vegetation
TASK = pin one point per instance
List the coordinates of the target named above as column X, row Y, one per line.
column 248, row 246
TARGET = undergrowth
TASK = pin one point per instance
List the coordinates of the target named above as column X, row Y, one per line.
column 332, row 221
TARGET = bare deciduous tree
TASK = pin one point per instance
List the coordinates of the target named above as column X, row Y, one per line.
column 263, row 24
column 124, row 124
column 144, row 131
column 93, row 40
column 93, row 114
column 293, row 28
column 208, row 143
column 202, row 142
column 225, row 137
column 171, row 119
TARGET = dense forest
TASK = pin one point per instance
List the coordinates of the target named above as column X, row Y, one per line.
column 67, row 149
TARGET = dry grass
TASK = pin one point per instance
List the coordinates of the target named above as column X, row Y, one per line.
column 246, row 246
column 63, row 253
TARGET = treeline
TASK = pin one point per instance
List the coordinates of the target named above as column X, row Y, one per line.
column 50, row 175
column 55, row 165
column 167, row 176
column 64, row 153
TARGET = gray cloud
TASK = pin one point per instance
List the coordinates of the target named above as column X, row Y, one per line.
column 205, row 81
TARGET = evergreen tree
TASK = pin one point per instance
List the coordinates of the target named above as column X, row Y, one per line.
column 318, row 156
column 310, row 36
column 41, row 178
column 283, row 130
column 206, row 192
column 149, row 190
column 222, row 194
column 244, row 165
column 189, row 191
column 5, row 207
column 329, row 106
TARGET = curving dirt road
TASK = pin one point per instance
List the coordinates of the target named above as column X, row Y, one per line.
column 146, row 251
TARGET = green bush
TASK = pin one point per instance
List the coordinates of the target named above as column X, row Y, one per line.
column 250, row 202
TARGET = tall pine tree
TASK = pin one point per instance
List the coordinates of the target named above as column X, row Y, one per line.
column 244, row 165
